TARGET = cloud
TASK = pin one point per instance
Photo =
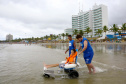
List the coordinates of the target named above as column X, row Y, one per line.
column 117, row 13
column 54, row 10
column 25, row 17
column 20, row 29
column 37, row 18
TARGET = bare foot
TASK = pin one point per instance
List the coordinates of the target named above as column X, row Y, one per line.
column 93, row 71
column 90, row 72
column 44, row 65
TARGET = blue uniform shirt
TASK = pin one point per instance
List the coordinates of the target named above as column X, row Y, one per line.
column 71, row 46
column 89, row 48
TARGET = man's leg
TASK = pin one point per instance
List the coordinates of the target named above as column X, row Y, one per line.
column 69, row 52
column 90, row 66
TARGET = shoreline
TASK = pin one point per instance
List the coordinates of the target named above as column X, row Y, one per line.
column 124, row 43
column 90, row 43
column 109, row 43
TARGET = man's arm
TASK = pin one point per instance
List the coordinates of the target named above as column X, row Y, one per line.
column 79, row 47
column 85, row 47
column 66, row 50
column 74, row 45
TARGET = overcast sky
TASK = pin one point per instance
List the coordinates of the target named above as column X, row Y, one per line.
column 37, row 18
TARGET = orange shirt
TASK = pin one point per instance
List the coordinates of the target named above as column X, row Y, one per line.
column 71, row 58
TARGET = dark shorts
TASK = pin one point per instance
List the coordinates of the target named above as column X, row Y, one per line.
column 61, row 65
column 88, row 57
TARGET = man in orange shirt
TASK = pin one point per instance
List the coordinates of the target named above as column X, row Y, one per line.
column 70, row 60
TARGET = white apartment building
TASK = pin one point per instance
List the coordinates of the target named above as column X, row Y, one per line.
column 95, row 19
column 9, row 37
column 69, row 31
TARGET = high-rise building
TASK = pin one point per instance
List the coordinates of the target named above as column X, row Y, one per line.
column 95, row 19
column 9, row 37
column 69, row 31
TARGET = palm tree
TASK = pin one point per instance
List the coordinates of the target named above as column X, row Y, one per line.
column 99, row 32
column 63, row 35
column 81, row 32
column 119, row 32
column 105, row 29
column 46, row 37
column 123, row 28
column 84, row 33
column 51, row 36
column 41, row 38
column 59, row 36
column 75, row 32
column 55, row 37
column 88, row 30
column 114, row 29
column 37, row 39
column 66, row 35
column 33, row 38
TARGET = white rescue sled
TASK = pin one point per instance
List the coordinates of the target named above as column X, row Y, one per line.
column 69, row 70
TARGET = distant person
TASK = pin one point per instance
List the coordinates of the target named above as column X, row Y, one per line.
column 70, row 60
column 72, row 44
column 87, row 52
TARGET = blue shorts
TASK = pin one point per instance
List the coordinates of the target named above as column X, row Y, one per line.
column 88, row 57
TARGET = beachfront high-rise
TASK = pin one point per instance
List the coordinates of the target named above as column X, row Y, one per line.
column 95, row 19
column 9, row 37
column 69, row 31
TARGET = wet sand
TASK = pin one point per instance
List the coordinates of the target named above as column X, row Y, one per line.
column 20, row 64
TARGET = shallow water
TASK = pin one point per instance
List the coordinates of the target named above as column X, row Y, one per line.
column 20, row 64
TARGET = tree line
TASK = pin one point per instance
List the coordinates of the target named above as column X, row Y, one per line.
column 114, row 28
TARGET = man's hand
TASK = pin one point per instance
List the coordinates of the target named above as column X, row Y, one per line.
column 80, row 53
column 65, row 52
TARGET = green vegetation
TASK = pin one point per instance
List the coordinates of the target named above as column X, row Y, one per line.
column 105, row 29
column 60, row 37
column 88, row 30
column 114, row 28
column 123, row 28
column 99, row 32
column 63, row 35
column 81, row 32
column 75, row 32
